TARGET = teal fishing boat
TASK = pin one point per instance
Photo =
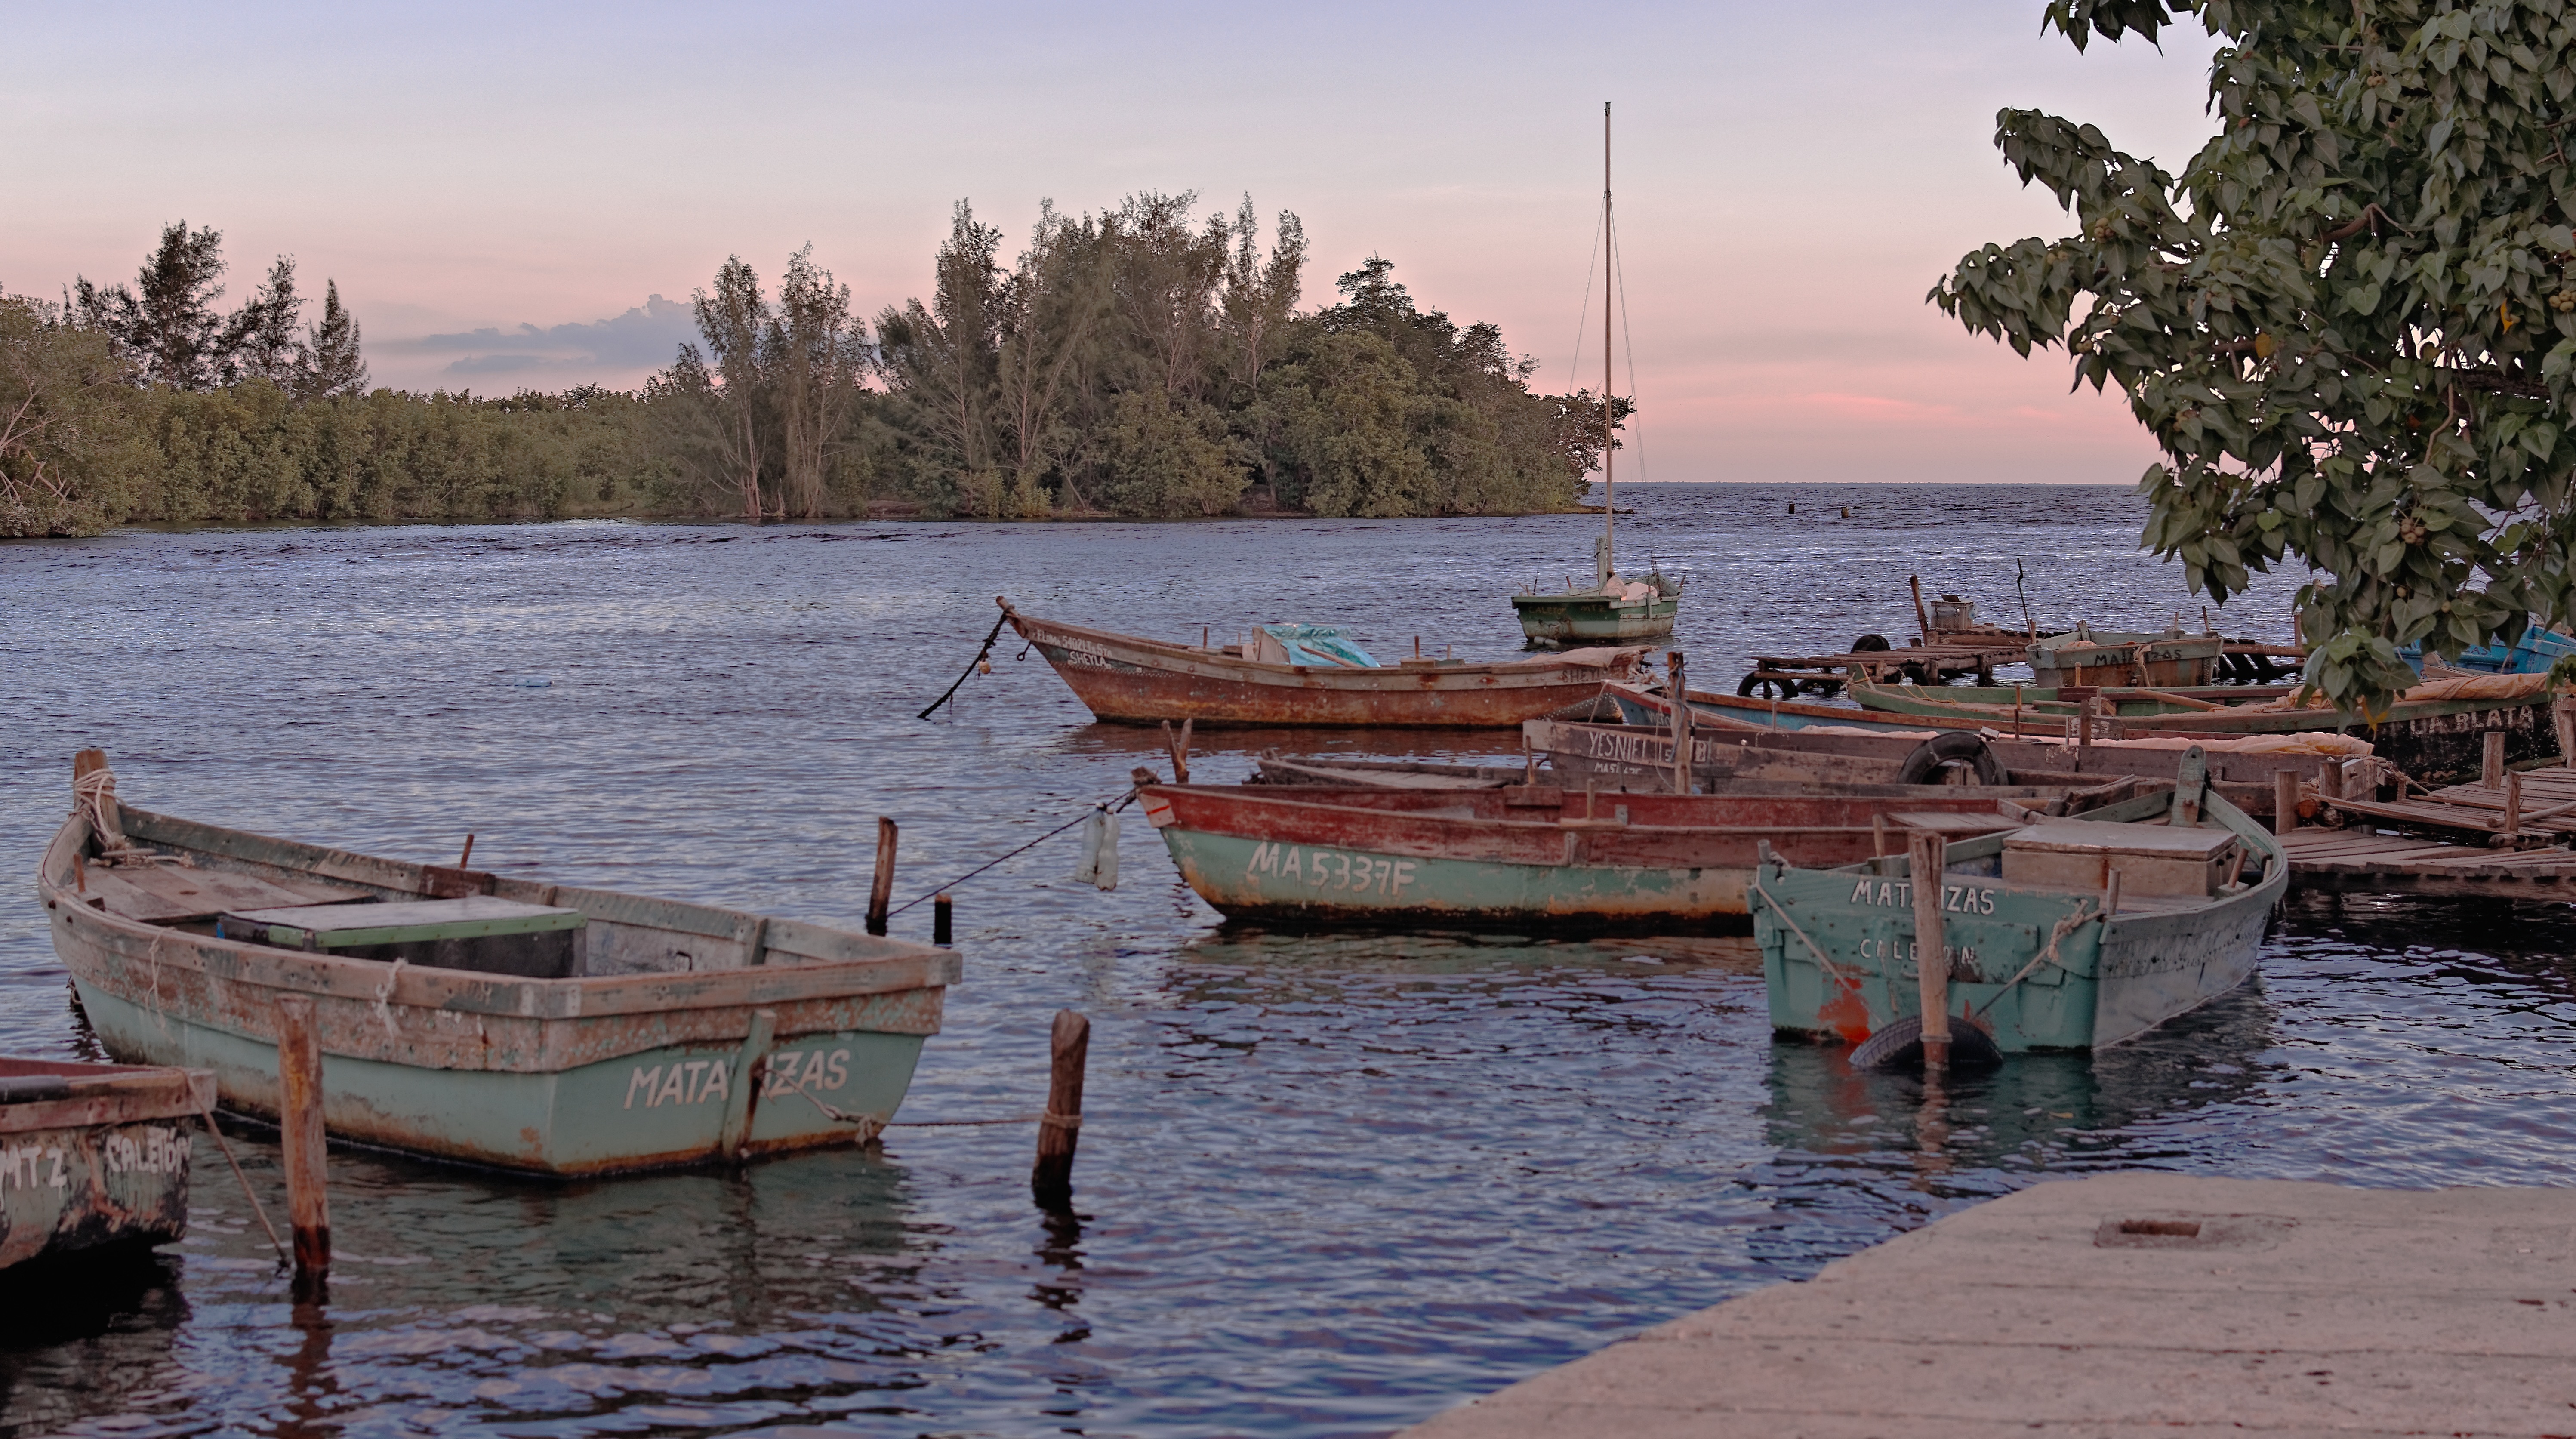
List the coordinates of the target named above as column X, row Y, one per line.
column 2069, row 934
column 463, row 1016
column 1616, row 610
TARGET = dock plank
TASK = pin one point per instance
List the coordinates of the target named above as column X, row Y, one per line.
column 2297, row 1308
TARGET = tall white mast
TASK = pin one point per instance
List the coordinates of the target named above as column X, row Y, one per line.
column 1609, row 486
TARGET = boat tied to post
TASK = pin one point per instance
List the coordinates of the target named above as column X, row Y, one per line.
column 475, row 1018
column 2066, row 934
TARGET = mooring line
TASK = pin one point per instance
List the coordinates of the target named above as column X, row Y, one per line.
column 247, row 1193
column 1105, row 808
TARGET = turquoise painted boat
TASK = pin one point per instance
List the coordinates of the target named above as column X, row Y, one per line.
column 1522, row 858
column 653, row 1034
column 2037, row 955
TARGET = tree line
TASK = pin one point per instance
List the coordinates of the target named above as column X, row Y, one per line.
column 1143, row 362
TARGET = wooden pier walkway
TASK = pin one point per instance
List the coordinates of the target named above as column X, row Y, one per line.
column 2355, row 859
column 2120, row 1305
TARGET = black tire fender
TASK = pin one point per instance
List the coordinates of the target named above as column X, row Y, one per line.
column 1899, row 1046
column 1949, row 748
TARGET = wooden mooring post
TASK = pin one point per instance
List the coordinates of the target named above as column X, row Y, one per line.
column 881, row 890
column 943, row 920
column 1051, row 1177
column 299, row 1128
column 2491, row 762
column 1927, row 853
column 2285, row 800
column 1681, row 724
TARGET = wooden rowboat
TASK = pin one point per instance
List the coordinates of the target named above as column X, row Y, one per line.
column 2044, row 951
column 2435, row 732
column 1635, row 755
column 1124, row 679
column 94, row 1157
column 1523, row 858
column 587, row 1031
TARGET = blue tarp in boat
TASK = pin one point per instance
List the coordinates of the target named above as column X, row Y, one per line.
column 1319, row 645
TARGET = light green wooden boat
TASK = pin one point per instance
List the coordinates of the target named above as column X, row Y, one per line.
column 2039, row 967
column 687, row 1034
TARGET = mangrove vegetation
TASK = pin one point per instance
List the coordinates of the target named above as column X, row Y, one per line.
column 1144, row 362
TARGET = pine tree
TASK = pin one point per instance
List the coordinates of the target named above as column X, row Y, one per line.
column 332, row 364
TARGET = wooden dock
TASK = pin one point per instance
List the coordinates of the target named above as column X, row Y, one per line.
column 2501, row 838
column 2353, row 859
column 2120, row 1305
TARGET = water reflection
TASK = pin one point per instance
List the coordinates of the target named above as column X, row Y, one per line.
column 75, row 1340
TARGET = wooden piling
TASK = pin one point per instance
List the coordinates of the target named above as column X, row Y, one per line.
column 1681, row 723
column 2512, row 807
column 2491, row 763
column 1179, row 745
column 942, row 921
column 1922, row 619
column 2285, row 800
column 1051, row 1177
column 2562, row 712
column 2084, row 722
column 2330, row 780
column 1927, row 853
column 299, row 1126
column 881, row 890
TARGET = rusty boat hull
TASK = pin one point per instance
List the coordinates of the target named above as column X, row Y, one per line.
column 694, row 1034
column 1523, row 860
column 94, row 1158
column 1123, row 679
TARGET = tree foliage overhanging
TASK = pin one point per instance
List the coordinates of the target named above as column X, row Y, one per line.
column 1136, row 363
column 2349, row 322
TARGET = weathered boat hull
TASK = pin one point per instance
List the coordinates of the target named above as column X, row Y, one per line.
column 1568, row 620
column 639, row 1064
column 94, row 1157
column 1122, row 679
column 2431, row 740
column 2111, row 982
column 1312, row 856
column 1639, row 706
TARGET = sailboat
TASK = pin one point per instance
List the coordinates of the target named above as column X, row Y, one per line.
column 1616, row 609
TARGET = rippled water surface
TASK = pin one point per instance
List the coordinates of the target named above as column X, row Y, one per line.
column 1327, row 1185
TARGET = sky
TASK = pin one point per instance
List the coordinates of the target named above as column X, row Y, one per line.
column 515, row 197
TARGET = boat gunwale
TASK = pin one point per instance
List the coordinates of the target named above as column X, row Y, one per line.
column 430, row 989
column 1211, row 663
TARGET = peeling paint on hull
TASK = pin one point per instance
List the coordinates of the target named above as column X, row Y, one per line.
column 1126, row 680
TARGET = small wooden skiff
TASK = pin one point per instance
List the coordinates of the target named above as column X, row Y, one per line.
column 94, row 1156
column 1526, row 857
column 1124, row 679
column 590, row 1031
column 2038, row 956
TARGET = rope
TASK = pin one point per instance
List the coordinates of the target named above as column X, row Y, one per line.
column 247, row 1193
column 92, row 796
column 2056, row 936
column 970, row 664
column 1060, row 1121
column 1104, row 807
column 1833, row 971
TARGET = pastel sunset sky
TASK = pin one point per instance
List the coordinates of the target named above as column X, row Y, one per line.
column 524, row 196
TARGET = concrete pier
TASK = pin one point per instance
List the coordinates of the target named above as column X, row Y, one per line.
column 2119, row 1305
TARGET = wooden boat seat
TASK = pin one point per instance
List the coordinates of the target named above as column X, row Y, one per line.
column 171, row 894
column 493, row 936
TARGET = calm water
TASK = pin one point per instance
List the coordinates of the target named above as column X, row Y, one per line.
column 1327, row 1186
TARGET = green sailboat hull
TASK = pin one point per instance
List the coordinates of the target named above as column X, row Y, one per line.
column 1568, row 621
